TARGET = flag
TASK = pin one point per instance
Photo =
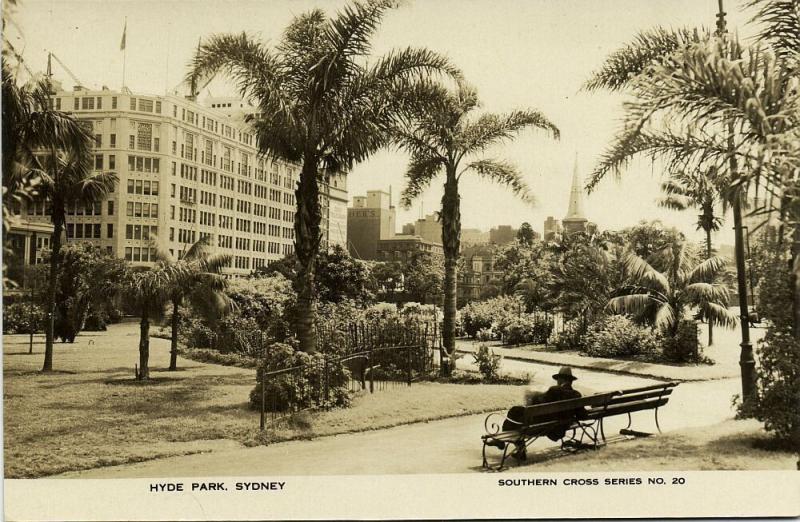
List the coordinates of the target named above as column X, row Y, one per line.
column 124, row 34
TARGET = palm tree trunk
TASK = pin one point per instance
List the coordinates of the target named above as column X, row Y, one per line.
column 144, row 346
column 307, row 242
column 795, row 281
column 451, row 238
column 55, row 241
column 708, row 256
column 176, row 322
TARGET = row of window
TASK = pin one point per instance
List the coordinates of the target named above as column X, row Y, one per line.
column 136, row 254
column 143, row 187
column 141, row 210
column 145, row 232
column 88, row 230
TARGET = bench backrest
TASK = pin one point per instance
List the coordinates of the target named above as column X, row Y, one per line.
column 634, row 399
column 541, row 413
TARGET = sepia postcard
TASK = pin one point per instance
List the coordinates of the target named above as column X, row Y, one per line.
column 400, row 259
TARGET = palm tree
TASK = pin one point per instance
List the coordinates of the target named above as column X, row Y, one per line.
column 443, row 139
column 199, row 282
column 701, row 88
column 321, row 104
column 684, row 284
column 684, row 190
column 149, row 291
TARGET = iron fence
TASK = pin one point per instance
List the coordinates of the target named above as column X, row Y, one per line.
column 354, row 358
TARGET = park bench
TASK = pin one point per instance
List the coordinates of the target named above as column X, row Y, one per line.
column 580, row 420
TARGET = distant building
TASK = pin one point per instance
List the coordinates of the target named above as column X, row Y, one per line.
column 401, row 248
column 552, row 228
column 429, row 229
column 478, row 274
column 575, row 221
column 474, row 236
column 502, row 235
column 26, row 239
column 370, row 220
column 408, row 229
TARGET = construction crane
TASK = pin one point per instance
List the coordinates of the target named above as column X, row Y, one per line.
column 63, row 66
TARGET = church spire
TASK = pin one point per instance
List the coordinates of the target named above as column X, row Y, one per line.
column 575, row 211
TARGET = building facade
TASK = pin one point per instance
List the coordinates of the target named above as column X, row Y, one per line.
column 187, row 171
column 370, row 220
column 429, row 228
column 479, row 273
column 552, row 228
column 401, row 248
column 502, row 234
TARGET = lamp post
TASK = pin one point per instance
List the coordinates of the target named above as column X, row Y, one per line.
column 747, row 361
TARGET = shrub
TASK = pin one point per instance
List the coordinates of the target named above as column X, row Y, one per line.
column 487, row 334
column 96, row 321
column 525, row 328
column 303, row 388
column 20, row 317
column 215, row 357
column 778, row 391
column 571, row 337
column 488, row 363
column 683, row 346
column 618, row 336
column 482, row 314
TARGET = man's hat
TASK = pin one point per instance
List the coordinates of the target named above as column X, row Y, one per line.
column 565, row 373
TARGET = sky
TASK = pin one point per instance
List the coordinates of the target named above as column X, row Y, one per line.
column 518, row 54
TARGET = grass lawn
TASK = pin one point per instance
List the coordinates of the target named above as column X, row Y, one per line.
column 91, row 413
column 730, row 445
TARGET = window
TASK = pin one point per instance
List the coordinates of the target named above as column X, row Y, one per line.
column 130, row 186
column 110, row 208
column 99, row 103
column 109, row 230
column 58, row 104
column 171, row 234
column 154, row 189
column 96, row 229
column 137, row 253
column 77, row 104
column 129, row 209
column 113, row 102
column 172, row 191
column 113, row 141
column 98, row 140
column 87, row 103
column 128, row 254
column 158, row 107
column 131, row 142
column 137, row 231
column 79, row 231
column 98, row 162
column 138, row 186
column 146, row 105
column 133, row 104
column 70, row 230
column 137, row 209
column 146, row 188
column 128, row 231
column 112, row 162
column 156, row 144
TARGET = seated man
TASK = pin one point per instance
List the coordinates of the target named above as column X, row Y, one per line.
column 562, row 391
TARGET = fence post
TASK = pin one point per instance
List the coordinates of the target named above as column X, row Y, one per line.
column 371, row 372
column 410, row 347
column 326, row 376
column 263, row 397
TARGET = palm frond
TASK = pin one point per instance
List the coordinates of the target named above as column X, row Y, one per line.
column 720, row 315
column 707, row 270
column 641, row 272
column 634, row 304
column 420, row 173
column 665, row 317
column 489, row 129
column 504, row 173
column 648, row 48
column 780, row 26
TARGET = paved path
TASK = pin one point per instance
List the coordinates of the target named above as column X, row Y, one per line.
column 447, row 446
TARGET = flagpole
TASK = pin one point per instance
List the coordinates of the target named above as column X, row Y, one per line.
column 124, row 51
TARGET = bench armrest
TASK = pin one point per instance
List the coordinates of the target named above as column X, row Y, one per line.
column 494, row 422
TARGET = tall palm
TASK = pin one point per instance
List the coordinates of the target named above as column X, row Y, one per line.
column 149, row 291
column 684, row 284
column 695, row 190
column 321, row 104
column 701, row 88
column 200, row 282
column 443, row 139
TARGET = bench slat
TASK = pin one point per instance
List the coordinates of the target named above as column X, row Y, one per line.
column 630, row 407
column 631, row 397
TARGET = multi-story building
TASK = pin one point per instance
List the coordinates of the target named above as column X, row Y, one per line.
column 401, row 248
column 429, row 228
column 474, row 236
column 479, row 272
column 188, row 171
column 502, row 234
column 552, row 228
column 370, row 220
